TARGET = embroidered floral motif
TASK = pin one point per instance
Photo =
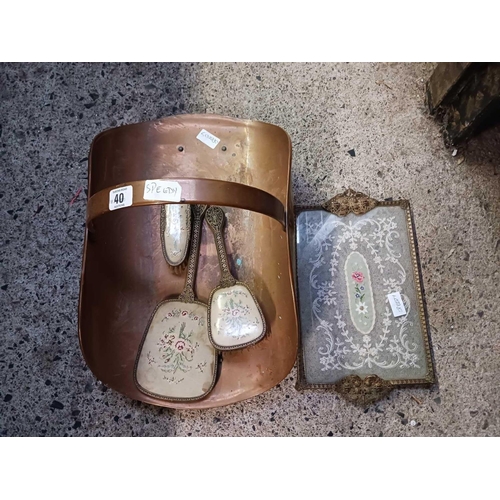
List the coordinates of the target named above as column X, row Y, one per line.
column 173, row 380
column 359, row 292
column 201, row 366
column 176, row 349
column 151, row 360
column 326, row 293
column 236, row 315
column 358, row 276
column 361, row 307
column 177, row 313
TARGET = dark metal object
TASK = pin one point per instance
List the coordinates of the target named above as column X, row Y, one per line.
column 465, row 97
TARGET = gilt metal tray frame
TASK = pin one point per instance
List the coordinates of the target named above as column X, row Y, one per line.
column 370, row 388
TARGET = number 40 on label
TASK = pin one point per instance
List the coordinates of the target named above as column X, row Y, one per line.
column 120, row 197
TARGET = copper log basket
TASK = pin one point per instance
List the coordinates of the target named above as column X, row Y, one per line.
column 125, row 275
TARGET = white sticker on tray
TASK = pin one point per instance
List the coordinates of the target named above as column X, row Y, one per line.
column 162, row 190
column 120, row 197
column 207, row 138
column 397, row 305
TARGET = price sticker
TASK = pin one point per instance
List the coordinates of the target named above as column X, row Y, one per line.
column 120, row 197
column 207, row 138
column 397, row 305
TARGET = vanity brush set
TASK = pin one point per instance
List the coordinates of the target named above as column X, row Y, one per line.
column 178, row 356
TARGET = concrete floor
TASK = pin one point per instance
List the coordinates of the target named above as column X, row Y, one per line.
column 49, row 115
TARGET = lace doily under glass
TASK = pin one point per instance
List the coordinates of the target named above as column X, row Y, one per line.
column 346, row 267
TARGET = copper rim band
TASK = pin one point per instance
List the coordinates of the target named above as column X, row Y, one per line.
column 198, row 191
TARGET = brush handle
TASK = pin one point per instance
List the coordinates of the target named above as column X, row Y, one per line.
column 215, row 218
column 197, row 212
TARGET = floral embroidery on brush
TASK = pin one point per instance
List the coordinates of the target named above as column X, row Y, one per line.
column 235, row 314
column 178, row 313
column 176, row 348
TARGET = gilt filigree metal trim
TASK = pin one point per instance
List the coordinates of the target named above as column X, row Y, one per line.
column 350, row 201
column 363, row 391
